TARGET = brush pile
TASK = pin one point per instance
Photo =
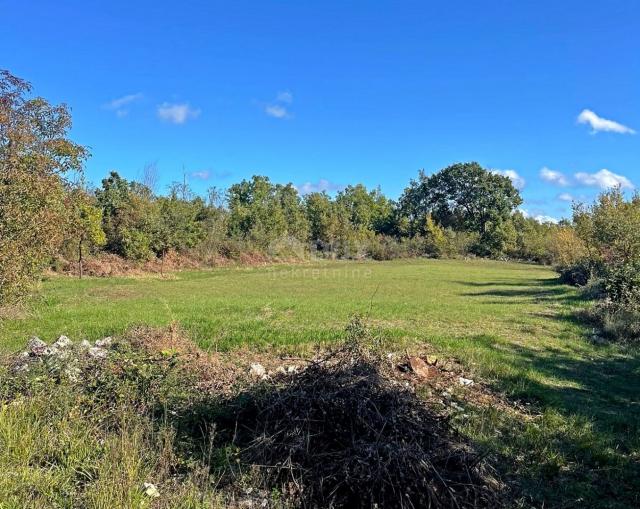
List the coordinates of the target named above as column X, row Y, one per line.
column 342, row 433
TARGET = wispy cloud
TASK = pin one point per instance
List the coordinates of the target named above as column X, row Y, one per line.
column 540, row 217
column 209, row 174
column 278, row 108
column 276, row 111
column 316, row 187
column 518, row 181
column 121, row 104
column 554, row 177
column 604, row 179
column 201, row 175
column 565, row 197
column 598, row 123
column 176, row 113
column 285, row 97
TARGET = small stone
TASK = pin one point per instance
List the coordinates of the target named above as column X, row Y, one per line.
column 432, row 359
column 150, row 490
column 97, row 353
column 104, row 342
column 257, row 370
column 85, row 344
column 36, row 346
column 421, row 368
column 292, row 370
column 63, row 342
column 21, row 368
column 465, row 381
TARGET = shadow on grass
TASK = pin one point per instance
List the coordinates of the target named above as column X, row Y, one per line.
column 594, row 390
column 534, row 290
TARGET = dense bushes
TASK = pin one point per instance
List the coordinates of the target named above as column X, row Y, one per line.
column 604, row 246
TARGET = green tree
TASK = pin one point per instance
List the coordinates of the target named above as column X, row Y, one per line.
column 464, row 197
column 435, row 239
column 85, row 224
column 262, row 212
column 177, row 225
column 129, row 214
column 36, row 158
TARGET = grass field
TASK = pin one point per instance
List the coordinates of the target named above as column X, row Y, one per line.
column 511, row 325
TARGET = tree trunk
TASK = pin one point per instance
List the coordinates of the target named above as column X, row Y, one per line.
column 164, row 251
column 80, row 259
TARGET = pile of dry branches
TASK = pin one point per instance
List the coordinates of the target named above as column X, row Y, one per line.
column 341, row 433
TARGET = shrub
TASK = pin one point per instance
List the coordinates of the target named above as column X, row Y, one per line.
column 136, row 245
column 622, row 283
column 617, row 322
column 577, row 274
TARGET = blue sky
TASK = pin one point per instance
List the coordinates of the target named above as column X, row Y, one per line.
column 324, row 94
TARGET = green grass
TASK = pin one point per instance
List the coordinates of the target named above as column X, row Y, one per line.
column 511, row 325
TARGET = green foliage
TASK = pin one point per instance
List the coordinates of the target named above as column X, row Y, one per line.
column 463, row 197
column 35, row 156
column 177, row 224
column 435, row 239
column 84, row 226
column 262, row 212
column 134, row 244
column 129, row 215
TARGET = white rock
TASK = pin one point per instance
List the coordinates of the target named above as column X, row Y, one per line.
column 104, row 342
column 465, row 381
column 49, row 351
column 150, row 490
column 36, row 346
column 292, row 370
column 85, row 344
column 21, row 368
column 97, row 353
column 257, row 370
column 63, row 342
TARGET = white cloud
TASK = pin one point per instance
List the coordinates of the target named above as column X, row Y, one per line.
column 202, row 175
column 604, row 179
column 276, row 111
column 565, row 197
column 176, row 113
column 541, row 218
column 517, row 180
column 278, row 108
column 285, row 97
column 315, row 187
column 602, row 124
column 120, row 105
column 553, row 177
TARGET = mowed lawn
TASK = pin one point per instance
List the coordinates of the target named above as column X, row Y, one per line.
column 513, row 326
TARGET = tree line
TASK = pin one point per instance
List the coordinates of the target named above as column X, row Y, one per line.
column 47, row 211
